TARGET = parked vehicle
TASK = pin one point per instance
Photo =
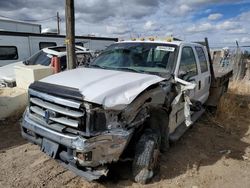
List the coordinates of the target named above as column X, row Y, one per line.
column 43, row 57
column 130, row 102
column 18, row 46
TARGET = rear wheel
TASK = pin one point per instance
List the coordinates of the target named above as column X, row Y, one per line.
column 146, row 157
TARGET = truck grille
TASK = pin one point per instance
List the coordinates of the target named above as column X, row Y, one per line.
column 56, row 110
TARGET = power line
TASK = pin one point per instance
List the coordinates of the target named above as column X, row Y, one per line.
column 40, row 20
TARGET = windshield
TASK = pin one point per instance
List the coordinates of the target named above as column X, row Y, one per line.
column 137, row 57
column 40, row 57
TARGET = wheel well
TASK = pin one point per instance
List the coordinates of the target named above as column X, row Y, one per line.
column 158, row 122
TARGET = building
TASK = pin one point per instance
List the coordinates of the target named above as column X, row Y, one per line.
column 7, row 24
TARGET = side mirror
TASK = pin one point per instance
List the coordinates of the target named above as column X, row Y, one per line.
column 190, row 80
column 182, row 74
column 25, row 62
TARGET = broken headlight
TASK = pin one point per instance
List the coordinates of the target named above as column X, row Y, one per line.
column 104, row 120
column 98, row 121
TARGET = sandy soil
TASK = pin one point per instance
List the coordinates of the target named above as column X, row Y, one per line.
column 210, row 154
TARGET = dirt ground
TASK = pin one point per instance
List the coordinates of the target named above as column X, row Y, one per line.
column 215, row 152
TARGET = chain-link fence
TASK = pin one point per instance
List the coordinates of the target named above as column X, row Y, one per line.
column 236, row 60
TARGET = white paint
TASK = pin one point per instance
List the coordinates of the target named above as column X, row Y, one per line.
column 25, row 75
column 7, row 71
column 18, row 26
column 112, row 89
column 12, row 102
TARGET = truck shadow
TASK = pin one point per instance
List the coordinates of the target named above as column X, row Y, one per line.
column 202, row 145
column 10, row 135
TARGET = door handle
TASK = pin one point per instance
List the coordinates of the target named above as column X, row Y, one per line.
column 199, row 87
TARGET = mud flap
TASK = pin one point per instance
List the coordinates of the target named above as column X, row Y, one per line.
column 49, row 147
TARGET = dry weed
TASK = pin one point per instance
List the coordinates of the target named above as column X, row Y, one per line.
column 234, row 104
column 240, row 88
column 228, row 107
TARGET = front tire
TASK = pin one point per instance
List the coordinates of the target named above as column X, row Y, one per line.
column 146, row 157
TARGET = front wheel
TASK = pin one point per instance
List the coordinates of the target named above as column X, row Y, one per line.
column 146, row 157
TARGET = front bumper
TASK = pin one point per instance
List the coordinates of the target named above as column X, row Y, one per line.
column 78, row 152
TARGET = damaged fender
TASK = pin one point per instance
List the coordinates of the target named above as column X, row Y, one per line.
column 178, row 108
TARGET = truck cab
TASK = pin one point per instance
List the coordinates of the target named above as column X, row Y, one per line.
column 130, row 102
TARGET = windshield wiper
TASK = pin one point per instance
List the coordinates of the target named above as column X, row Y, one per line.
column 115, row 68
column 128, row 69
column 96, row 66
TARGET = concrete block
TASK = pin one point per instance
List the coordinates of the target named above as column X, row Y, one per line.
column 12, row 102
column 25, row 75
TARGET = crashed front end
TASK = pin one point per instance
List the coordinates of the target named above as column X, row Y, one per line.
column 83, row 136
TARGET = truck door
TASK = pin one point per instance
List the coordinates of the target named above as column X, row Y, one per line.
column 188, row 69
column 202, row 91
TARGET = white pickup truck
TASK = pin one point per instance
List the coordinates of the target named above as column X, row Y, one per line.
column 130, row 102
column 43, row 57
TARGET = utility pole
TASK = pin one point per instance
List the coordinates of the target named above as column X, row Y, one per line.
column 58, row 23
column 70, row 33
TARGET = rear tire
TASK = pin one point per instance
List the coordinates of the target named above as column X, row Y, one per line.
column 146, row 157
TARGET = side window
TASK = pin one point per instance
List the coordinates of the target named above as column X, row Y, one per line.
column 188, row 63
column 79, row 44
column 202, row 59
column 8, row 53
column 46, row 44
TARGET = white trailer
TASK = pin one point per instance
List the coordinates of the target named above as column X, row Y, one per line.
column 7, row 24
column 17, row 46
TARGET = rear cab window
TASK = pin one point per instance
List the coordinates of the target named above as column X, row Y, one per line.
column 40, row 58
column 202, row 59
column 46, row 44
column 8, row 53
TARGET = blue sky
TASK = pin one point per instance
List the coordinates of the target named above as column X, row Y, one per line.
column 222, row 21
column 228, row 10
column 226, row 13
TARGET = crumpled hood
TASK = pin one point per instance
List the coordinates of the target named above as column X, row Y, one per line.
column 112, row 89
column 7, row 72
